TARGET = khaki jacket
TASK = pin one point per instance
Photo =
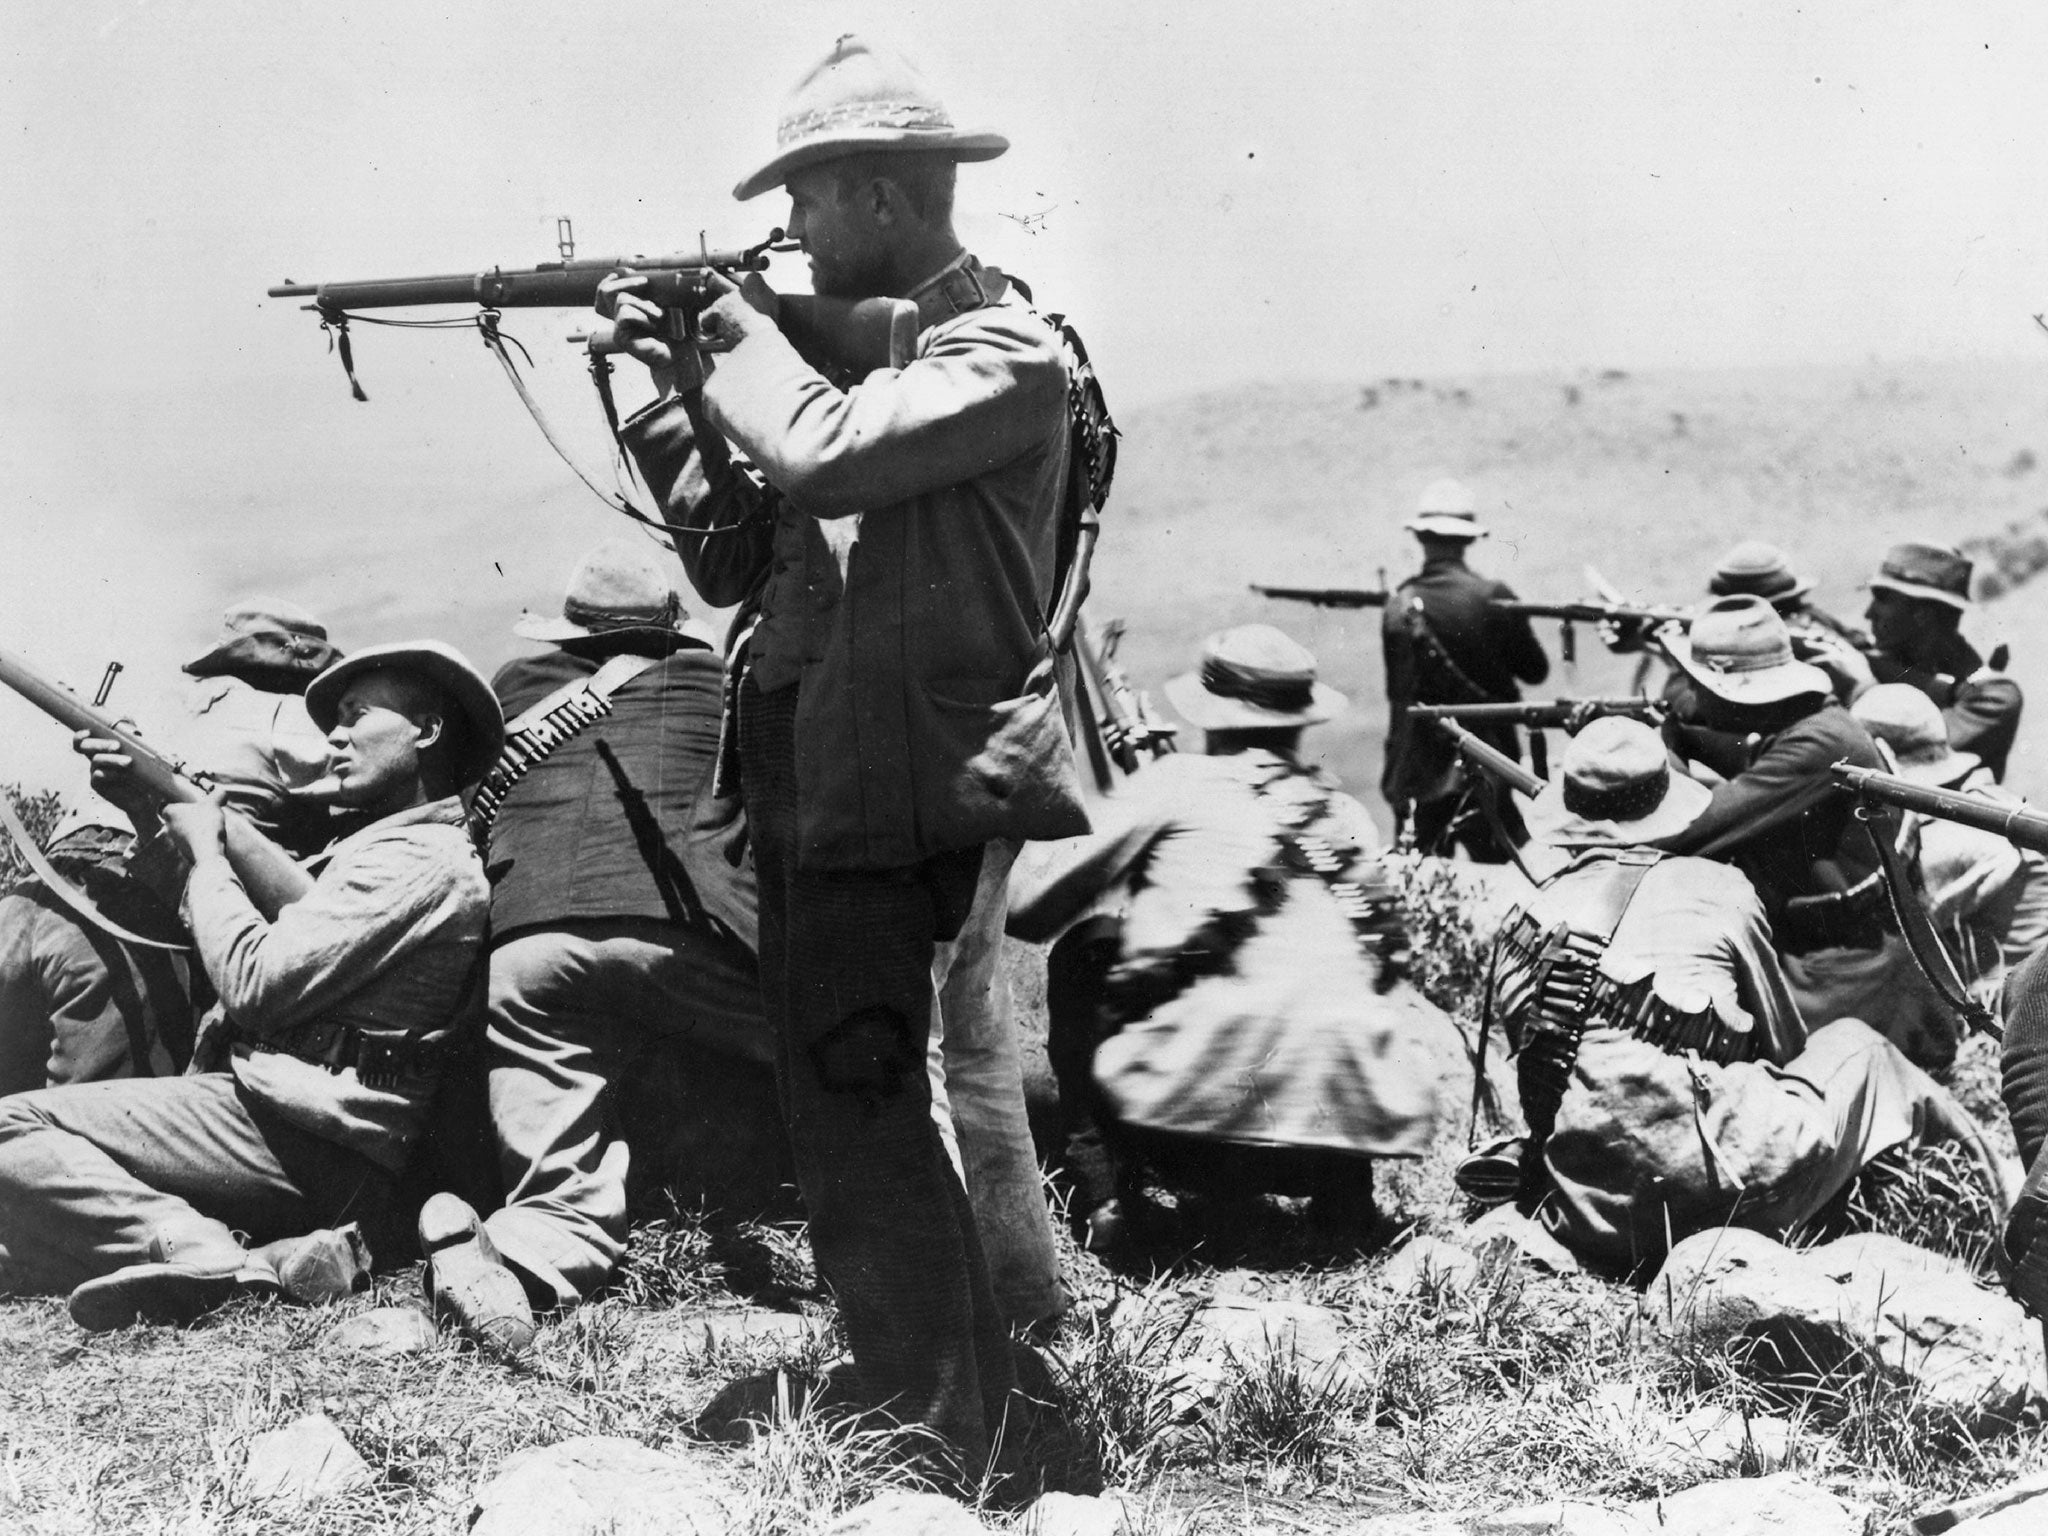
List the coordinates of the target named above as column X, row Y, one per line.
column 901, row 551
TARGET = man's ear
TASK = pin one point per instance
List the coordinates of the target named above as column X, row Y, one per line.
column 886, row 206
column 431, row 730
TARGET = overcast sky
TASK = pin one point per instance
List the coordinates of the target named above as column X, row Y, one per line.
column 1214, row 191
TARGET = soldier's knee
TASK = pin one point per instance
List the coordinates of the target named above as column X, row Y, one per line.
column 871, row 1054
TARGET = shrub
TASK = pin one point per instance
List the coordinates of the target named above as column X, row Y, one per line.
column 40, row 810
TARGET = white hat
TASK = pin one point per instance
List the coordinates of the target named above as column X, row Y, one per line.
column 1615, row 786
column 1448, row 510
column 1912, row 725
column 1739, row 649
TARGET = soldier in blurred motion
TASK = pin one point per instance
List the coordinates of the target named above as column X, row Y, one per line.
column 1917, row 601
column 1233, row 1029
column 1445, row 644
column 79, row 1003
column 1667, row 1082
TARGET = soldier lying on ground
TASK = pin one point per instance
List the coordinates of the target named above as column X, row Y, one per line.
column 1218, row 1015
column 340, row 1011
column 1667, row 1083
column 78, row 1004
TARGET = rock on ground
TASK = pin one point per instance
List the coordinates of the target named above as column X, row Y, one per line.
column 600, row 1485
column 1072, row 1514
column 906, row 1514
column 1781, row 1505
column 1922, row 1321
column 1567, row 1518
column 309, row 1458
column 1431, row 1261
column 384, row 1331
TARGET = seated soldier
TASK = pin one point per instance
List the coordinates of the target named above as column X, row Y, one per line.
column 340, row 1008
column 1231, row 1029
column 79, row 1003
column 1667, row 1083
column 1987, row 896
column 623, row 919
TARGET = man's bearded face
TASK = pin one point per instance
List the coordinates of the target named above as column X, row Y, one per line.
column 847, row 246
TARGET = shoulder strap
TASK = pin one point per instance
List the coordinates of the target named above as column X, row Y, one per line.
column 1887, row 830
column 64, row 890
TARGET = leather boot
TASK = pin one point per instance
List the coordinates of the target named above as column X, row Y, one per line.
column 467, row 1281
column 196, row 1268
column 320, row 1266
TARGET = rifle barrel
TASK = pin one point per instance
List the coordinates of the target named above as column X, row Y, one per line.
column 1490, row 759
column 1591, row 613
column 1327, row 597
column 64, row 706
column 2019, row 825
column 551, row 285
column 1535, row 711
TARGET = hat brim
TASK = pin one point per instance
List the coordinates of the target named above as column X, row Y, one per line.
column 1207, row 711
column 264, row 652
column 1941, row 772
column 839, row 143
column 538, row 626
column 1550, row 821
column 1445, row 526
column 1768, row 685
column 441, row 664
column 1940, row 595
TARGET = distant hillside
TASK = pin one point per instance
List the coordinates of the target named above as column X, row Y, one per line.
column 438, row 510
column 1647, row 477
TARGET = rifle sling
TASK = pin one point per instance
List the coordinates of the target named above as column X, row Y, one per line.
column 68, row 893
column 1929, row 954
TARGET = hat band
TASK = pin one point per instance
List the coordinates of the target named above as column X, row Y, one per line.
column 1628, row 801
column 1726, row 665
column 1929, row 579
column 616, row 618
column 861, row 114
column 1279, row 694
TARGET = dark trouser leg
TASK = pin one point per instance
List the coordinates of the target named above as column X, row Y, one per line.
column 846, row 976
column 1075, row 971
column 91, row 1175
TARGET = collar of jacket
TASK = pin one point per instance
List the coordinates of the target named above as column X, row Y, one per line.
column 962, row 284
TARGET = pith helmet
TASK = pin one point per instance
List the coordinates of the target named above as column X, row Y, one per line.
column 1448, row 510
column 442, row 665
column 1937, row 573
column 1739, row 649
column 1253, row 678
column 855, row 100
column 618, row 587
column 1615, row 786
column 1760, row 569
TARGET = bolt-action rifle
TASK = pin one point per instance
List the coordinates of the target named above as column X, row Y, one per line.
column 848, row 335
column 1538, row 713
column 1329, row 597
column 1592, row 613
column 269, row 874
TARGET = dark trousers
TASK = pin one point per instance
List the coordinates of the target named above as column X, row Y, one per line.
column 846, row 960
column 1458, row 821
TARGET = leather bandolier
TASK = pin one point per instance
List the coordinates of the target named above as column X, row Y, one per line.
column 1570, row 993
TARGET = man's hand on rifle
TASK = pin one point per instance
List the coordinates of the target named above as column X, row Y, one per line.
column 1847, row 668
column 113, row 779
column 643, row 331
column 200, row 827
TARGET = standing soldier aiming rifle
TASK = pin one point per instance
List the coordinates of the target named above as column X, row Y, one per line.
column 1445, row 643
column 893, row 538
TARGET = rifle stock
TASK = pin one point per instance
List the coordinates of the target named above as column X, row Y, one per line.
column 1132, row 731
column 1327, row 597
column 2020, row 826
column 1538, row 712
column 1489, row 760
column 269, row 874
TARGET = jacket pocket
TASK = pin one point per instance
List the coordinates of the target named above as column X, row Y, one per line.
column 1000, row 761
